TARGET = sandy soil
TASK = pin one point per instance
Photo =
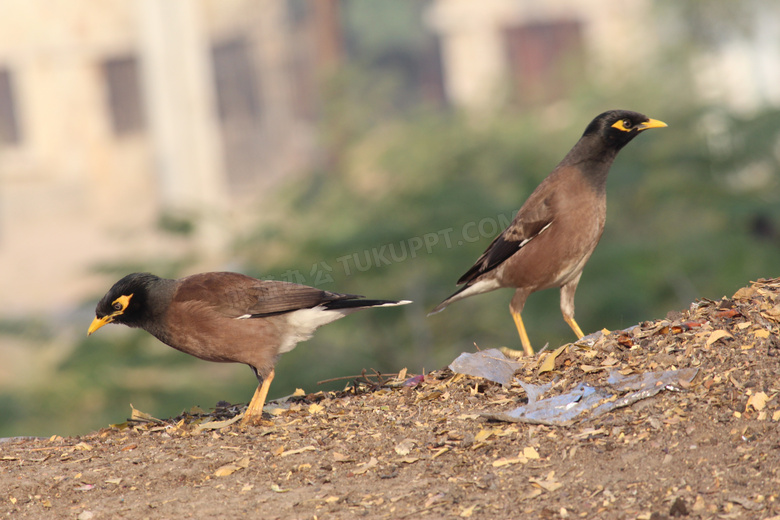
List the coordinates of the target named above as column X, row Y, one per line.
column 409, row 447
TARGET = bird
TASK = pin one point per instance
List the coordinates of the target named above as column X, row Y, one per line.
column 227, row 317
column 555, row 231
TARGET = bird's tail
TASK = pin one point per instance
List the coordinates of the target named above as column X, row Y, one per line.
column 470, row 289
column 451, row 298
column 359, row 303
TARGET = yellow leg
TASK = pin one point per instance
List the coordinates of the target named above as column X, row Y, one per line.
column 255, row 409
column 529, row 351
column 573, row 324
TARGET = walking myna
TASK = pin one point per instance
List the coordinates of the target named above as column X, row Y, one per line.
column 227, row 317
column 556, row 230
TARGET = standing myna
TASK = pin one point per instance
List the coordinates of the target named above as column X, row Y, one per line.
column 558, row 227
column 227, row 317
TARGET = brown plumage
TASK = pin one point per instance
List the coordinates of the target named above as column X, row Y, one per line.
column 556, row 230
column 227, row 317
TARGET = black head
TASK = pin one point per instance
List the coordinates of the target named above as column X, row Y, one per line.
column 618, row 127
column 126, row 302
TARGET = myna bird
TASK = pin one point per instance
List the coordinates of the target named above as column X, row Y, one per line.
column 556, row 230
column 227, row 317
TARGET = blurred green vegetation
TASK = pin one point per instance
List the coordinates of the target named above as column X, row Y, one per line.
column 693, row 212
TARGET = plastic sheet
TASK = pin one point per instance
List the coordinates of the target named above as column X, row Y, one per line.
column 490, row 364
column 584, row 401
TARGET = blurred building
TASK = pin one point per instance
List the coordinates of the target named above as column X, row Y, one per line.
column 537, row 52
column 141, row 130
column 531, row 52
column 124, row 124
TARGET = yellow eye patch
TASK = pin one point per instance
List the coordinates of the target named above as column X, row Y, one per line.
column 621, row 125
column 120, row 304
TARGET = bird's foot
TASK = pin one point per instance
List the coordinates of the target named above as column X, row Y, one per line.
column 252, row 419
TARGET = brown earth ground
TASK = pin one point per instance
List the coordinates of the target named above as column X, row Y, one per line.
column 389, row 448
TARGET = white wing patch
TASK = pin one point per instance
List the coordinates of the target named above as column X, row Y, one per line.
column 524, row 242
column 302, row 324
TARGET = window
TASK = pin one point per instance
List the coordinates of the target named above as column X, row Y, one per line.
column 9, row 127
column 543, row 58
column 237, row 94
column 124, row 95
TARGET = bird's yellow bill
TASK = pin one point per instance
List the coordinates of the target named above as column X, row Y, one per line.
column 652, row 123
column 99, row 322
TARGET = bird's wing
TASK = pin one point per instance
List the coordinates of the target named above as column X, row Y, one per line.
column 240, row 296
column 531, row 220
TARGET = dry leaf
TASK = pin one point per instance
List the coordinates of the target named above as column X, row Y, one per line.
column 774, row 312
column 744, row 293
column 610, row 361
column 217, row 425
column 229, row 469
column 338, row 457
column 483, row 435
column 549, row 484
column 277, row 489
column 716, row 335
column 299, row 450
column 758, row 401
column 138, row 415
column 532, row 493
column 530, row 453
column 442, row 451
column 590, row 368
column 505, row 461
column 366, row 466
column 468, row 511
column 315, row 408
column 405, row 446
column 549, row 361
column 299, row 392
column 429, row 396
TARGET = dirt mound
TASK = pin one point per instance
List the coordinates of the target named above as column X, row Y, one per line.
column 406, row 446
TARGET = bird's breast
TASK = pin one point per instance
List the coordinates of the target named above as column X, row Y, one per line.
column 558, row 255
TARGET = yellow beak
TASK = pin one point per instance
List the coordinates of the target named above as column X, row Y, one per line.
column 99, row 322
column 652, row 123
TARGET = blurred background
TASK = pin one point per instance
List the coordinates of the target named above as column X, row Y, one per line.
column 365, row 147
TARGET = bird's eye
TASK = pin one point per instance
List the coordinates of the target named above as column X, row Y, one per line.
column 627, row 124
column 117, row 306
